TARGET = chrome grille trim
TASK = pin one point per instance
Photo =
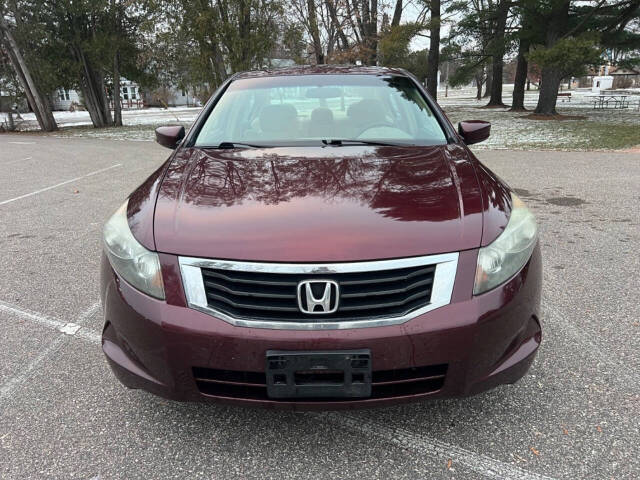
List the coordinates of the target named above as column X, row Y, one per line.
column 444, row 278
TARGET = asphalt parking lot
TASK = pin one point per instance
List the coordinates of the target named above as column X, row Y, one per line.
column 64, row 415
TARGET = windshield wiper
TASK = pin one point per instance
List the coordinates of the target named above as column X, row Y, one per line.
column 237, row 145
column 338, row 142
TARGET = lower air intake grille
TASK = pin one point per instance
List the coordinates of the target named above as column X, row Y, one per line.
column 385, row 383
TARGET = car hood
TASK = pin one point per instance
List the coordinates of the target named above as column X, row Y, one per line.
column 323, row 204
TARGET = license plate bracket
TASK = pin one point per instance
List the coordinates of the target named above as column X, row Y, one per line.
column 318, row 374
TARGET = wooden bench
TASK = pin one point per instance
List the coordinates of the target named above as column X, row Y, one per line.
column 566, row 96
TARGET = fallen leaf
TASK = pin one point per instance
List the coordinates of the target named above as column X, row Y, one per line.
column 565, row 431
column 449, row 462
column 536, row 452
column 599, row 428
column 636, row 324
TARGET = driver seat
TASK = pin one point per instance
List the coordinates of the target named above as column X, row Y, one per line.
column 368, row 111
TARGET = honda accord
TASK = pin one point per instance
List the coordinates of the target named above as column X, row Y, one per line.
column 321, row 238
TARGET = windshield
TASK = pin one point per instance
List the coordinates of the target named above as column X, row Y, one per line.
column 307, row 109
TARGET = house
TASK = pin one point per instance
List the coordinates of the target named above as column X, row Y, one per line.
column 625, row 77
column 130, row 97
column 619, row 77
column 130, row 94
column 171, row 97
column 62, row 99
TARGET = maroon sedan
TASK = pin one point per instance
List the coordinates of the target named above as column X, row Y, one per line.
column 321, row 238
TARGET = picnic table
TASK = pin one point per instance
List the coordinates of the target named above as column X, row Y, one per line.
column 604, row 100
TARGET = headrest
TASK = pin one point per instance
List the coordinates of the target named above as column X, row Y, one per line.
column 366, row 110
column 321, row 115
column 278, row 117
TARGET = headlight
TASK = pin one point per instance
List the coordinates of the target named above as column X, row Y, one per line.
column 137, row 265
column 508, row 253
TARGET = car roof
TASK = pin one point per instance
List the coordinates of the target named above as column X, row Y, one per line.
column 321, row 70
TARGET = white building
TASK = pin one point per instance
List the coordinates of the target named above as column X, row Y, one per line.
column 130, row 97
column 130, row 94
column 602, row 82
column 185, row 98
column 63, row 99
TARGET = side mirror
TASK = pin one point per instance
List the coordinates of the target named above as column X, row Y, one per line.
column 170, row 136
column 474, row 131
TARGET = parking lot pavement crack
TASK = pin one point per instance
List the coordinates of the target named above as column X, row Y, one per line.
column 404, row 438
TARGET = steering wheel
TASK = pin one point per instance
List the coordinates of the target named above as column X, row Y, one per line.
column 374, row 125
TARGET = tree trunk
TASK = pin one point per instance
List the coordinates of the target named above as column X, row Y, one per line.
column 517, row 104
column 397, row 14
column 11, row 126
column 479, row 83
column 117, row 107
column 106, row 111
column 217, row 63
column 551, row 76
column 95, row 97
column 38, row 103
column 498, row 53
column 373, row 32
column 244, row 27
column 488, row 82
column 344, row 41
column 549, row 84
column 434, row 50
column 315, row 33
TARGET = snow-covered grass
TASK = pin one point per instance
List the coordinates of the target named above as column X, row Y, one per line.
column 597, row 130
column 609, row 129
column 129, row 117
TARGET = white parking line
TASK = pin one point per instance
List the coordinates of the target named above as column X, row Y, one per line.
column 16, row 161
column 88, row 313
column 68, row 328
column 73, row 329
column 31, row 315
column 59, row 184
column 424, row 445
column 10, row 385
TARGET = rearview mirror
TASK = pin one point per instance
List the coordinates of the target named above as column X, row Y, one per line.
column 474, row 131
column 170, row 136
column 324, row 92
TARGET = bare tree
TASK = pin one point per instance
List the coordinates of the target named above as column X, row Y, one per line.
column 314, row 31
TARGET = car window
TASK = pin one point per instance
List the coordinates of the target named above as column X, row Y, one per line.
column 306, row 109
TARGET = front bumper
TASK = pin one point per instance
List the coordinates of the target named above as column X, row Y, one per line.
column 478, row 342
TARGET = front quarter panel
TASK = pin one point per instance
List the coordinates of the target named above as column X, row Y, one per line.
column 496, row 199
column 141, row 207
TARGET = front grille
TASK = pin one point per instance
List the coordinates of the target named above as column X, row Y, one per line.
column 363, row 295
column 385, row 383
